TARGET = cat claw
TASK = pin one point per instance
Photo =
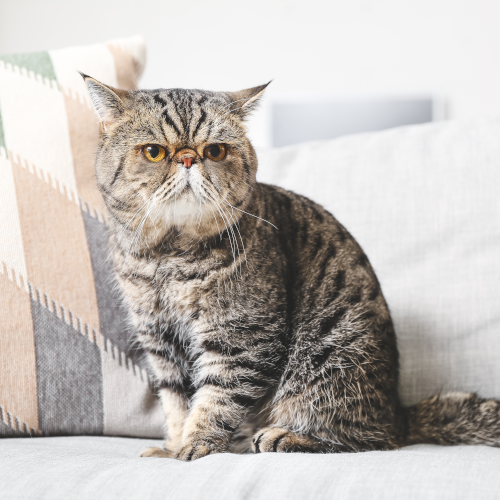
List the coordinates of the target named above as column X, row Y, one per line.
column 193, row 452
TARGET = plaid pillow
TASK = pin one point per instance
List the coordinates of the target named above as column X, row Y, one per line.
column 66, row 361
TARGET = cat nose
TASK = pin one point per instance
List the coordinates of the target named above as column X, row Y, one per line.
column 186, row 156
column 187, row 161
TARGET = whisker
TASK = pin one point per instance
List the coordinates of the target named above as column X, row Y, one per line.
column 213, row 192
column 231, row 235
column 248, row 213
column 230, row 228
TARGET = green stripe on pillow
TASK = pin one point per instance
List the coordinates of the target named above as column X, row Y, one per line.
column 38, row 62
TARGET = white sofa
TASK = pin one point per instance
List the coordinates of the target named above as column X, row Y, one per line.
column 424, row 203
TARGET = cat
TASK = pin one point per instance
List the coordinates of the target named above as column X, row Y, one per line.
column 264, row 324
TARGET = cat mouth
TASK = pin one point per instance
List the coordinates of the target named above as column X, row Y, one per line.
column 188, row 192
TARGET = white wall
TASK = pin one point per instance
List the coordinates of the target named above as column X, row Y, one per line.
column 449, row 47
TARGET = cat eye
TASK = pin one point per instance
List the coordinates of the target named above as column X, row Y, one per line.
column 154, row 153
column 215, row 152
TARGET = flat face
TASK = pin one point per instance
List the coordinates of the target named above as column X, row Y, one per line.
column 175, row 157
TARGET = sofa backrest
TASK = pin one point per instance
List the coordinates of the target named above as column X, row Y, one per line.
column 424, row 203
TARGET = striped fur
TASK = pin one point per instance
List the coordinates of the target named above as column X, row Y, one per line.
column 264, row 323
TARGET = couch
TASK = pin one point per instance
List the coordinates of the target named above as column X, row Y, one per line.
column 424, row 203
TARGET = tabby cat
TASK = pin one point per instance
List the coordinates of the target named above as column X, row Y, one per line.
column 264, row 324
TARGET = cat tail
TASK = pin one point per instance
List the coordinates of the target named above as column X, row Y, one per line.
column 454, row 418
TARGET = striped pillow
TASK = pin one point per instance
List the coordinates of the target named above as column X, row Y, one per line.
column 66, row 362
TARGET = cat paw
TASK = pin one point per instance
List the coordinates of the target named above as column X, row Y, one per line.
column 269, row 440
column 156, row 452
column 279, row 440
column 195, row 450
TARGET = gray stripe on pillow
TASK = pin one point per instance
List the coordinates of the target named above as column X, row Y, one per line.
column 113, row 316
column 69, row 376
column 7, row 431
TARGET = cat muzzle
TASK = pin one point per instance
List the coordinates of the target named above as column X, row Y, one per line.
column 186, row 156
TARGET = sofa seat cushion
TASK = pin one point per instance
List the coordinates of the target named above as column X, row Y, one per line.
column 109, row 468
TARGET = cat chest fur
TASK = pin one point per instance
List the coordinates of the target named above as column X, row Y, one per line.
column 178, row 304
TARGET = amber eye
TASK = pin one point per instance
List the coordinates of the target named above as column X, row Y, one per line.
column 215, row 152
column 154, row 153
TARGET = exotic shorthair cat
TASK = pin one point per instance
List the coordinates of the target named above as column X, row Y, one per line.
column 263, row 322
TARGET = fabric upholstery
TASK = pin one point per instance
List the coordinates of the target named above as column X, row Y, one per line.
column 423, row 201
column 66, row 363
column 84, row 468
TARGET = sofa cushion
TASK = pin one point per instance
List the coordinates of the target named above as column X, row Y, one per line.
column 423, row 201
column 66, row 366
column 109, row 468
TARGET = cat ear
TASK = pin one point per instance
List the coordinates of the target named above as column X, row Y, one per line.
column 245, row 101
column 107, row 100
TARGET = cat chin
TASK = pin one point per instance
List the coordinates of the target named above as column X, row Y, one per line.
column 181, row 212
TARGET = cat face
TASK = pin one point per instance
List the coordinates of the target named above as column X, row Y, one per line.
column 174, row 158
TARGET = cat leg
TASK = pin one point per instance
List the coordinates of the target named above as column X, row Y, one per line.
column 230, row 381
column 218, row 409
column 215, row 415
column 278, row 439
column 327, row 415
column 175, row 406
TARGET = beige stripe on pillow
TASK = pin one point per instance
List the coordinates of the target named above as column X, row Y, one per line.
column 123, row 61
column 57, row 257
column 83, row 131
column 18, row 390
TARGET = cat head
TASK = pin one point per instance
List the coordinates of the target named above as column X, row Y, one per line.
column 174, row 158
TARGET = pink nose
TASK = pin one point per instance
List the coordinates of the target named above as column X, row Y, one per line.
column 187, row 161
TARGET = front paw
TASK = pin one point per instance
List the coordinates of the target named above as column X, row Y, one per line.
column 268, row 439
column 197, row 449
column 156, row 452
column 279, row 440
